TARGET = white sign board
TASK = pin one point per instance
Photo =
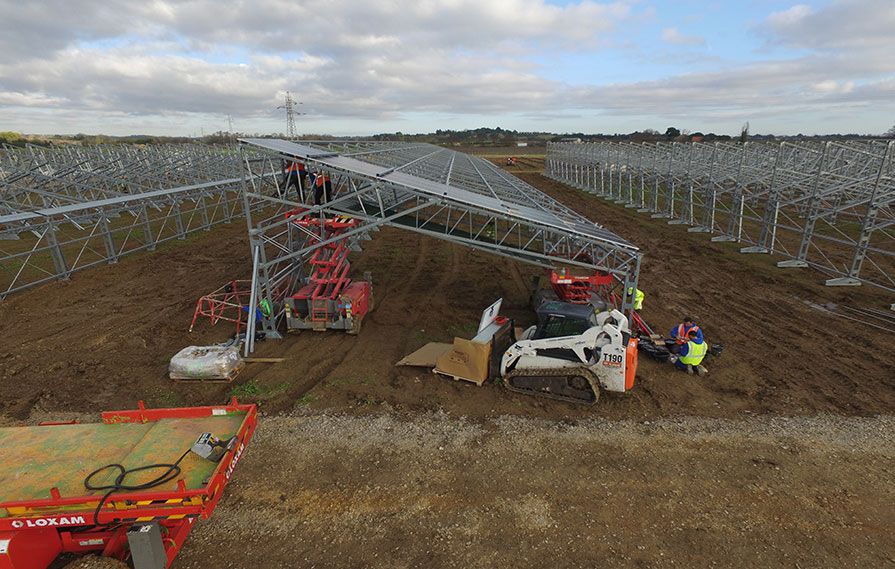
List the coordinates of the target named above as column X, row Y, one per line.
column 490, row 315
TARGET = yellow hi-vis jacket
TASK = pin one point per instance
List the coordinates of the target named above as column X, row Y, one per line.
column 695, row 353
column 638, row 299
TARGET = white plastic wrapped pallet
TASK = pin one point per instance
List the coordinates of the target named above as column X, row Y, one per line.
column 206, row 362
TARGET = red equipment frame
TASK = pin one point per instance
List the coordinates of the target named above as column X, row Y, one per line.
column 35, row 532
column 225, row 303
column 577, row 289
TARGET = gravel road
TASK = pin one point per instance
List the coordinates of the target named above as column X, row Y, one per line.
column 437, row 490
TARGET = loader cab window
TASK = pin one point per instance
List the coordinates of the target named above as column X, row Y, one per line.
column 555, row 326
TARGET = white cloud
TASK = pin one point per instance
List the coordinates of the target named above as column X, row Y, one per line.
column 790, row 17
column 675, row 37
column 383, row 61
column 848, row 24
column 831, row 86
column 30, row 99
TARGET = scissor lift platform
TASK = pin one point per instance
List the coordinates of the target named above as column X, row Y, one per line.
column 45, row 509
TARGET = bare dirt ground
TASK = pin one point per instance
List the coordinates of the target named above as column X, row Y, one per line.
column 438, row 491
column 782, row 456
column 104, row 339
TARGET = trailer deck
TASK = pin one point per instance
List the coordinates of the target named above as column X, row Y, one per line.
column 44, row 503
column 61, row 456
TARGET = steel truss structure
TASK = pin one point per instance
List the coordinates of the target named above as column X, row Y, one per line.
column 69, row 208
column 416, row 187
column 827, row 205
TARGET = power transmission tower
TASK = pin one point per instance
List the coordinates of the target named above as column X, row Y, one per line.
column 290, row 114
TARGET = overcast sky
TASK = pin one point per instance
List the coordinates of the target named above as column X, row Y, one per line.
column 367, row 66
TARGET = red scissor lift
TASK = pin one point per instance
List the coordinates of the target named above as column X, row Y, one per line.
column 330, row 299
column 578, row 289
column 46, row 510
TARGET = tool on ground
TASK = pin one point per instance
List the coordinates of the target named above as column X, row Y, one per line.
column 664, row 350
column 57, row 497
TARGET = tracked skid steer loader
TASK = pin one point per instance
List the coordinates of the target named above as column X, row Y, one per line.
column 572, row 354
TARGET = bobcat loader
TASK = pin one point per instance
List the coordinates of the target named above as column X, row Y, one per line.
column 571, row 354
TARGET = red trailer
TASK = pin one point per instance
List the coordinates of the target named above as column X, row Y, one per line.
column 141, row 487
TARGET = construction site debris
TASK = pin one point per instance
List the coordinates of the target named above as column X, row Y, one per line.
column 425, row 356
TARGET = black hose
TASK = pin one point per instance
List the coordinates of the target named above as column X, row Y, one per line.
column 171, row 472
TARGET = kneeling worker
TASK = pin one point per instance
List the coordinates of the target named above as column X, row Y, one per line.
column 681, row 332
column 692, row 353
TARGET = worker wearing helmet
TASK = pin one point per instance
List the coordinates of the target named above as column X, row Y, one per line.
column 681, row 332
column 692, row 353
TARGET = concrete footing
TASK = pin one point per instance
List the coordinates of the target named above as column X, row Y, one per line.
column 791, row 263
column 843, row 281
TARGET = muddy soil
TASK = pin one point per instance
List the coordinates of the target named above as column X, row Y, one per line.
column 103, row 340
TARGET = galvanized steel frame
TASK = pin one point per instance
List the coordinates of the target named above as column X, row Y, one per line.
column 826, row 205
column 64, row 209
column 421, row 188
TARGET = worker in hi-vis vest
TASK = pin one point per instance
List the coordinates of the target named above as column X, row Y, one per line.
column 682, row 331
column 295, row 174
column 692, row 353
column 638, row 297
column 323, row 187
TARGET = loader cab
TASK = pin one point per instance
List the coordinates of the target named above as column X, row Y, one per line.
column 556, row 319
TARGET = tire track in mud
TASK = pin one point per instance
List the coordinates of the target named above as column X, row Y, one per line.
column 418, row 298
column 422, row 251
